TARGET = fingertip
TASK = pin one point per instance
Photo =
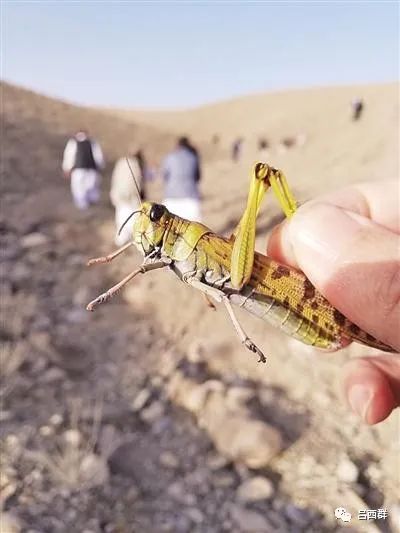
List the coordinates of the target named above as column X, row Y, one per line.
column 279, row 246
column 368, row 391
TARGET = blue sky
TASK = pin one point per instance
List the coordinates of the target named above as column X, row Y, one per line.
column 179, row 54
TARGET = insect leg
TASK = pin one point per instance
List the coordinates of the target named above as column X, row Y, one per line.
column 242, row 334
column 116, row 288
column 282, row 192
column 219, row 296
column 108, row 258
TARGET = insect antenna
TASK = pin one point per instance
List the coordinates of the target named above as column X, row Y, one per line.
column 127, row 220
column 134, row 179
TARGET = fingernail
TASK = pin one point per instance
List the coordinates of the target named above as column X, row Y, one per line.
column 360, row 399
column 320, row 233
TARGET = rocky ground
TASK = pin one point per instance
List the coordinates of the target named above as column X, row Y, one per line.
column 147, row 415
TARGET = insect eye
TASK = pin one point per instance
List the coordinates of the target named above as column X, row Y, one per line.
column 156, row 212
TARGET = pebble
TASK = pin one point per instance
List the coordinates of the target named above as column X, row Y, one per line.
column 223, row 480
column 255, row 489
column 72, row 437
column 238, row 437
column 347, row 471
column 215, row 461
column 394, row 516
column 169, row 459
column 94, row 471
column 8, row 488
column 9, row 523
column 140, row 400
column 237, row 397
column 53, row 374
column 5, row 415
column 46, row 431
column 33, row 239
column 76, row 316
column 249, row 521
column 56, row 419
column 297, row 515
column 153, row 412
column 195, row 352
column 195, row 515
column 178, row 492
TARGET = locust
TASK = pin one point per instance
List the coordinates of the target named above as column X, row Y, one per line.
column 231, row 272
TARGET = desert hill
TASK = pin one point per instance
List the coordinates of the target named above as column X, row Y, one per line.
column 154, row 386
column 322, row 114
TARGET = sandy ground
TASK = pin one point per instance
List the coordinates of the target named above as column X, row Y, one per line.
column 102, row 425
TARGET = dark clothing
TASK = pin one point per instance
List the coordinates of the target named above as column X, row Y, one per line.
column 181, row 173
column 84, row 155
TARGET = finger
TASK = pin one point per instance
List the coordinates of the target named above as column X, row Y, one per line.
column 372, row 386
column 376, row 200
column 353, row 262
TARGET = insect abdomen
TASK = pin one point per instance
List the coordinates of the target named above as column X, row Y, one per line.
column 278, row 315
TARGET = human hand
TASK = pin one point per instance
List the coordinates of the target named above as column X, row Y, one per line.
column 347, row 243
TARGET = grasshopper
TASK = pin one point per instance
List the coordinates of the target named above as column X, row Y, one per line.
column 231, row 272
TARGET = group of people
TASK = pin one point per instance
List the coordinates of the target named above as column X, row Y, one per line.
column 83, row 164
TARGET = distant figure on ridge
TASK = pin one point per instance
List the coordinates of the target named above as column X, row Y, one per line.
column 237, row 147
column 123, row 193
column 357, row 106
column 82, row 162
column 263, row 152
column 181, row 174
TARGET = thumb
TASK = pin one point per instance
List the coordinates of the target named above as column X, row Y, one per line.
column 354, row 263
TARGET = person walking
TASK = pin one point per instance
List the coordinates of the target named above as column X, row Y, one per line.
column 237, row 147
column 181, row 174
column 123, row 193
column 357, row 107
column 82, row 163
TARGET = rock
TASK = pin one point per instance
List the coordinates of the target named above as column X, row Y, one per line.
column 347, row 471
column 249, row 521
column 46, row 431
column 41, row 341
column 72, row 437
column 153, row 412
column 8, row 486
column 21, row 272
column 109, row 440
column 94, row 471
column 237, row 436
column 168, row 363
column 9, row 523
column 187, row 393
column 76, row 316
column 141, row 399
column 215, row 461
column 394, row 516
column 223, row 480
column 299, row 516
column 56, row 419
column 5, row 415
column 195, row 515
column 169, row 459
column 33, row 239
column 82, row 296
column 41, row 323
column 195, row 352
column 179, row 492
column 255, row 489
column 53, row 374
column 237, row 397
